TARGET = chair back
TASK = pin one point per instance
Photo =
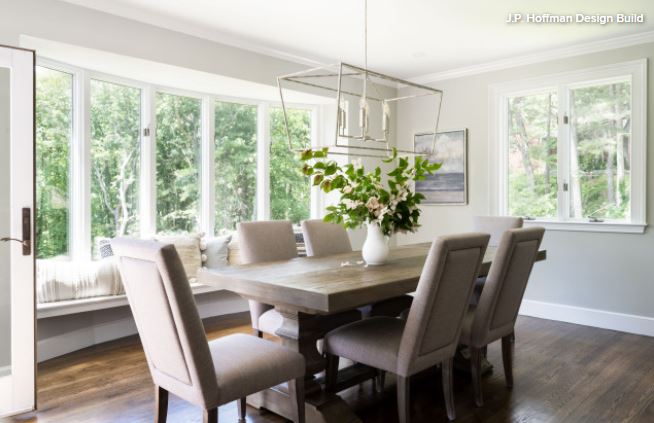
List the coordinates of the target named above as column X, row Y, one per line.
column 167, row 319
column 323, row 238
column 495, row 226
column 505, row 285
column 434, row 322
column 262, row 241
column 269, row 240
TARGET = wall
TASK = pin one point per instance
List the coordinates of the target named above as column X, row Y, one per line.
column 67, row 23
column 5, row 286
column 589, row 278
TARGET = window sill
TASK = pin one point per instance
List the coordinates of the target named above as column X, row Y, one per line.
column 577, row 226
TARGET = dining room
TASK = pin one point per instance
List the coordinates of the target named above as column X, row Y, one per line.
column 348, row 212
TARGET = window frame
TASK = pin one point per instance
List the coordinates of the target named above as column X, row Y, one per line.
column 80, row 242
column 562, row 83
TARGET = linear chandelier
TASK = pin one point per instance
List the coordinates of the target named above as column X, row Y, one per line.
column 365, row 102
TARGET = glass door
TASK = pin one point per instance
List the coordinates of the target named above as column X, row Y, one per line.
column 17, row 364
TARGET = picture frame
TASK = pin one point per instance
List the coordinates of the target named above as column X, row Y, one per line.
column 449, row 185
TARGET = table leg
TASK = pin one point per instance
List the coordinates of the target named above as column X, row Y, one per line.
column 300, row 332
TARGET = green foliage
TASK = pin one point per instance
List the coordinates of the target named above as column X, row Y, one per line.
column 290, row 193
column 364, row 198
column 235, row 164
column 53, row 134
column 599, row 146
column 115, row 155
column 178, row 137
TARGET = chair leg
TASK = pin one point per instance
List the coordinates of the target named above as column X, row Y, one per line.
column 508, row 347
column 331, row 372
column 296, row 394
column 210, row 416
column 241, row 408
column 403, row 399
column 257, row 333
column 380, row 380
column 161, row 404
column 476, row 355
column 448, row 392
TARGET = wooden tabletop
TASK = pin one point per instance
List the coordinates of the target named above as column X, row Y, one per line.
column 325, row 285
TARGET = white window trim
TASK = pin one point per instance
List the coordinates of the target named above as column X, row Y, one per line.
column 498, row 147
column 80, row 247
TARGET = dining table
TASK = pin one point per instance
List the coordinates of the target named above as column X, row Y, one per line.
column 305, row 291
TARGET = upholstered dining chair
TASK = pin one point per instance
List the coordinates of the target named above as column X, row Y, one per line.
column 495, row 315
column 274, row 240
column 181, row 361
column 323, row 238
column 430, row 334
column 495, row 226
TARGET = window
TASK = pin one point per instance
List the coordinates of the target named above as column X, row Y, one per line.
column 54, row 126
column 600, row 146
column 290, row 190
column 532, row 138
column 119, row 157
column 115, row 154
column 570, row 149
column 178, row 135
column 235, row 164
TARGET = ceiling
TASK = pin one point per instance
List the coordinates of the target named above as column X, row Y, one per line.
column 407, row 38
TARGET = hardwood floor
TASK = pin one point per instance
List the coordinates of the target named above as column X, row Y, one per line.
column 562, row 373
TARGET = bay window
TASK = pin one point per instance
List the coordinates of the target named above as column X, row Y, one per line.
column 235, row 164
column 290, row 190
column 569, row 150
column 115, row 152
column 178, row 137
column 119, row 157
column 54, row 128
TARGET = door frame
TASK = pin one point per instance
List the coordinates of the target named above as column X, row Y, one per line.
column 22, row 380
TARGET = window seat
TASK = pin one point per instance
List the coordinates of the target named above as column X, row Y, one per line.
column 66, row 307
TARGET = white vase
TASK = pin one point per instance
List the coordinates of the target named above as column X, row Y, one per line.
column 375, row 249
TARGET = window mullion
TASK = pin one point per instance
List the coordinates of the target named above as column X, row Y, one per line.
column 147, row 204
column 263, row 162
column 207, row 168
column 563, row 155
column 80, row 222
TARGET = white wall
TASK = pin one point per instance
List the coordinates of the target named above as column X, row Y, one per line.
column 591, row 278
column 5, row 286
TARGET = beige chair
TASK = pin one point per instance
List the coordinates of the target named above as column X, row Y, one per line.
column 430, row 334
column 494, row 318
column 265, row 241
column 323, row 238
column 181, row 361
column 271, row 241
column 495, row 226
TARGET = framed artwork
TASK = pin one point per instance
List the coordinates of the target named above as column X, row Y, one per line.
column 448, row 185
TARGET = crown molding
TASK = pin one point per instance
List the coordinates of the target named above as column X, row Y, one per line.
column 544, row 56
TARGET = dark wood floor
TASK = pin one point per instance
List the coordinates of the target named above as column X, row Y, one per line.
column 563, row 373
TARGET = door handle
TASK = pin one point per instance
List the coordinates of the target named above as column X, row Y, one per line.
column 27, row 232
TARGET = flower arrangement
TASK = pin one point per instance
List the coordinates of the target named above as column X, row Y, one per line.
column 365, row 198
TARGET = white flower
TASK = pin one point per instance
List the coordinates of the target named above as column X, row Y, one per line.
column 347, row 189
column 373, row 204
column 351, row 204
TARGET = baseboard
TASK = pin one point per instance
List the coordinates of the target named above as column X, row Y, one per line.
column 630, row 323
